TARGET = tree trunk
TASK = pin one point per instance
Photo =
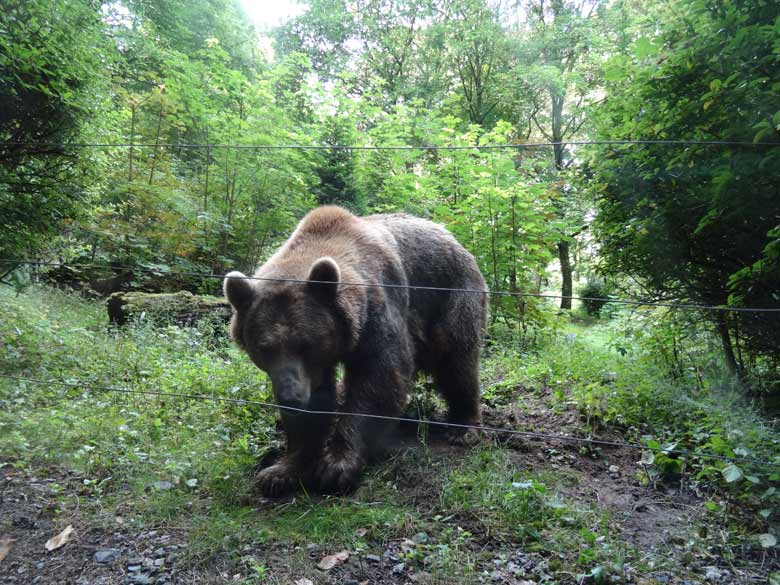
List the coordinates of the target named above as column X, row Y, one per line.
column 728, row 348
column 566, row 275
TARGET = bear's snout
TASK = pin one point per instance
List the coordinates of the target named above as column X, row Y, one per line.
column 290, row 390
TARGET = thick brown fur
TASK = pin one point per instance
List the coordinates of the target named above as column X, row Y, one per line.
column 299, row 334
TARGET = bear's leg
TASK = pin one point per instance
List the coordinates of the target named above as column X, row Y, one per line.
column 457, row 378
column 306, row 435
column 355, row 440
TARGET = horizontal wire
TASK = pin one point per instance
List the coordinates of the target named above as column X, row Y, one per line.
column 741, row 143
column 498, row 430
column 502, row 293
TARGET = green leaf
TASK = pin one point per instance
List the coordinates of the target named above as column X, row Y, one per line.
column 614, row 73
column 732, row 473
column 644, row 47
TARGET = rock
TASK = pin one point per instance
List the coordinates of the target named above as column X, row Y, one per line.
column 182, row 307
column 162, row 485
column 614, row 470
column 141, row 579
column 373, row 558
column 399, row 568
column 133, row 568
column 106, row 556
column 713, row 574
column 420, row 538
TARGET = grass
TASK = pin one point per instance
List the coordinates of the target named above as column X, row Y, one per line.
column 49, row 335
column 161, row 461
column 528, row 509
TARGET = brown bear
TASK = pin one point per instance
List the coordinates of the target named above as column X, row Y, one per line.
column 298, row 332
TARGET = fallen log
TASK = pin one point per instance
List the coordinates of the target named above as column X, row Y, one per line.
column 182, row 308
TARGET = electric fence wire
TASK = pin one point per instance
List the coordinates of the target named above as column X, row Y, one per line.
column 534, row 435
column 481, row 428
column 501, row 293
column 510, row 146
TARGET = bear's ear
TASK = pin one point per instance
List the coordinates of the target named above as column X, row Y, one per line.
column 325, row 270
column 239, row 290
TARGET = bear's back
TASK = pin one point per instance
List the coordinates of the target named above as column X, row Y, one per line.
column 430, row 254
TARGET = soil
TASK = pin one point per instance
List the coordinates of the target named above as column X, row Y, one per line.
column 663, row 522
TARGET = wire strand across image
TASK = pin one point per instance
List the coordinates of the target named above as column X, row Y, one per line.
column 534, row 435
column 510, row 146
column 501, row 293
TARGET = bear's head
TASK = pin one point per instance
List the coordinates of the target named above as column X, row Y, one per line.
column 293, row 331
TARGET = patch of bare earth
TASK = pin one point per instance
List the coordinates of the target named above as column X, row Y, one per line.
column 34, row 509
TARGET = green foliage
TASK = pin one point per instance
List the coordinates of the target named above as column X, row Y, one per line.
column 595, row 293
column 679, row 219
column 51, row 56
column 624, row 381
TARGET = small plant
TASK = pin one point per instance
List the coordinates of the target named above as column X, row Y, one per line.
column 596, row 294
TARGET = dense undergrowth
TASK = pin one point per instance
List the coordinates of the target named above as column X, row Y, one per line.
column 172, row 458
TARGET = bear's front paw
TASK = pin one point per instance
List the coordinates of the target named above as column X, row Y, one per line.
column 338, row 474
column 277, row 480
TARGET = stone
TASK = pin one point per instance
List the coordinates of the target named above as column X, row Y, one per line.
column 106, row 556
column 141, row 579
column 713, row 574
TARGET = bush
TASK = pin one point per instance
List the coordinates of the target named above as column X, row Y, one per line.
column 593, row 291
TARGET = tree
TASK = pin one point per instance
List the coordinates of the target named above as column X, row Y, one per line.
column 698, row 222
column 52, row 79
column 559, row 63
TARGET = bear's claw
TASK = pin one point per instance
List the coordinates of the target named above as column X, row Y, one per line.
column 461, row 438
column 276, row 480
column 338, row 475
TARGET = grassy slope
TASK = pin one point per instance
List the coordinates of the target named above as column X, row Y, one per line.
column 123, row 446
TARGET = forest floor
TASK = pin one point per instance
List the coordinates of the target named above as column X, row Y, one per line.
column 508, row 510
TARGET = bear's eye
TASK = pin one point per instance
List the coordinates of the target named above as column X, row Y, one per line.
column 265, row 348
